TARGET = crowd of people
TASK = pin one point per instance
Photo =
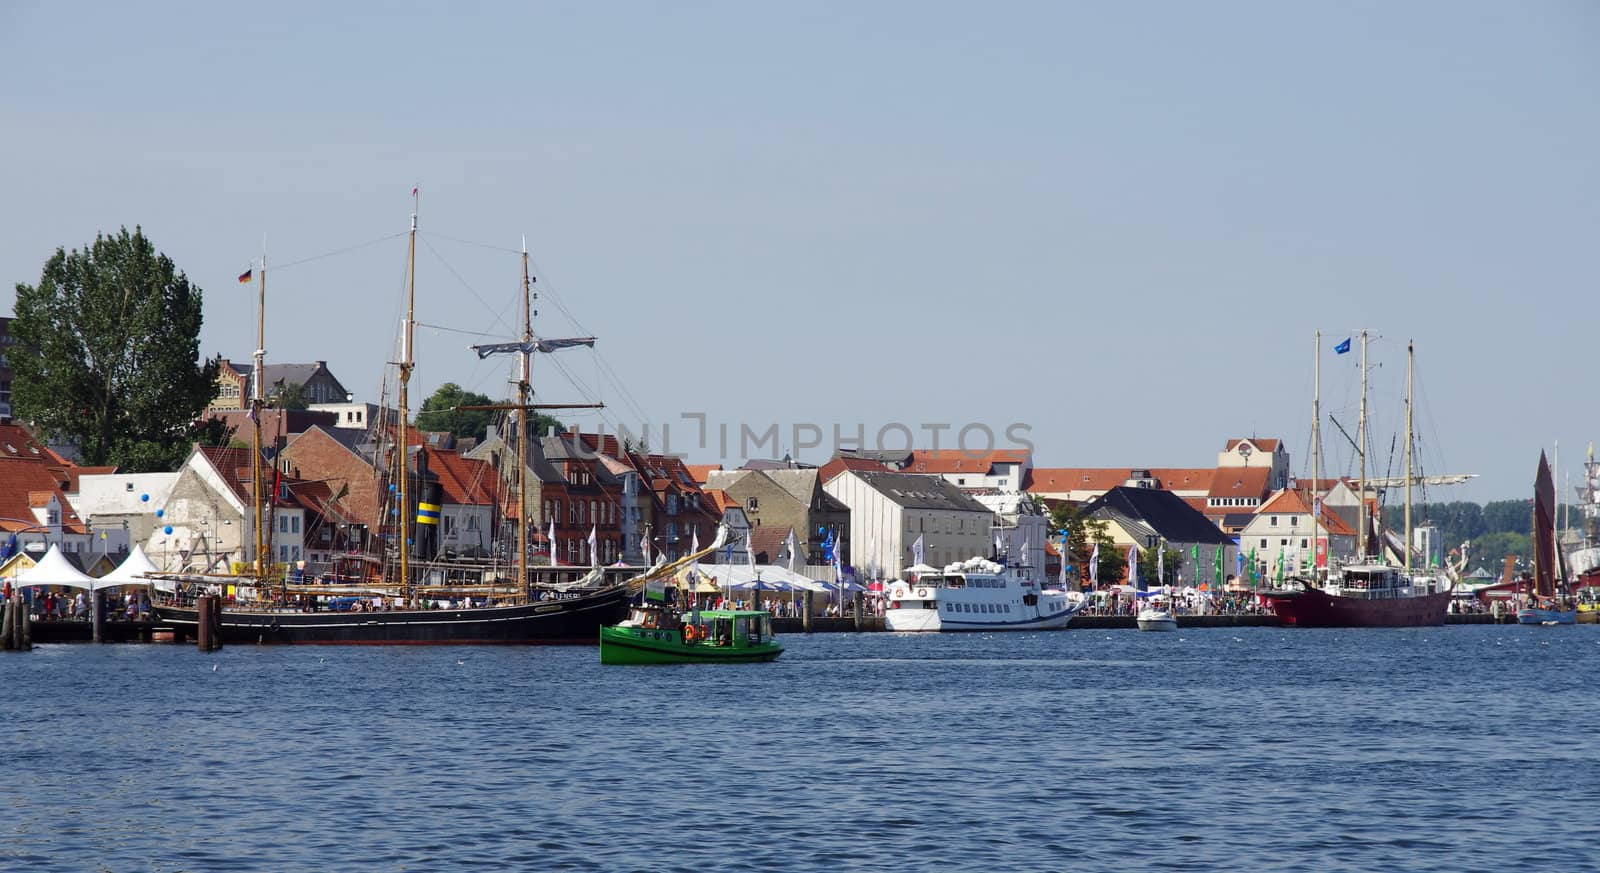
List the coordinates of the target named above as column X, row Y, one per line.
column 60, row 605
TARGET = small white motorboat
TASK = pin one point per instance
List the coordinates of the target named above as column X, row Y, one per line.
column 1157, row 615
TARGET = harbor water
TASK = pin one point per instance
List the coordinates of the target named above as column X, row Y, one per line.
column 1450, row 749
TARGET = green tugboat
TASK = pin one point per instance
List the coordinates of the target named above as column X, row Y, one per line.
column 656, row 634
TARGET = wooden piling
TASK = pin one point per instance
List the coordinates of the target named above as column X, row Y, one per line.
column 857, row 602
column 208, row 634
column 5, row 626
column 97, row 614
column 24, row 631
column 805, row 614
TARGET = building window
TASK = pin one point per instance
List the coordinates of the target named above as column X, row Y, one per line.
column 1274, row 521
column 1302, row 544
column 594, row 511
column 1263, row 543
column 294, row 524
column 472, row 522
column 751, row 504
column 547, row 511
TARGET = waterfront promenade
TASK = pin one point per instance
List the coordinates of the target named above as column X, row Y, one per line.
column 70, row 631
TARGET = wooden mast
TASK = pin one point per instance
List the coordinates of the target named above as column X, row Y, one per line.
column 1316, row 450
column 1361, row 450
column 524, row 387
column 258, row 375
column 1409, row 356
column 405, row 365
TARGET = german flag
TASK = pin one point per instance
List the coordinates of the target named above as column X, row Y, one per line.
column 244, row 278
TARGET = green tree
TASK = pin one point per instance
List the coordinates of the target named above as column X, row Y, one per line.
column 1150, row 561
column 112, row 361
column 291, row 396
column 1084, row 532
column 439, row 413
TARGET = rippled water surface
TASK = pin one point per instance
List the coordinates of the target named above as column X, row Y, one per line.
column 1460, row 748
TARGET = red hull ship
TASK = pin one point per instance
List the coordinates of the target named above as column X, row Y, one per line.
column 1315, row 608
column 1366, row 596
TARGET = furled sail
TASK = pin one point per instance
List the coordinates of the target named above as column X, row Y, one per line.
column 534, row 345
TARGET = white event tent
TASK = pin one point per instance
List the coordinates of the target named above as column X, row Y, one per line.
column 130, row 572
column 55, row 569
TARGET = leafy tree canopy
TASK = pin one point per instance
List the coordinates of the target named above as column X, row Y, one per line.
column 438, row 413
column 112, row 361
column 291, row 396
column 1084, row 532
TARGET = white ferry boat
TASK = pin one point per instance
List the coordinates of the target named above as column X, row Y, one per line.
column 978, row 595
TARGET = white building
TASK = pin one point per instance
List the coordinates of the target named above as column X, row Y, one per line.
column 890, row 511
column 120, row 507
column 1283, row 526
column 1022, row 529
column 1256, row 453
column 355, row 415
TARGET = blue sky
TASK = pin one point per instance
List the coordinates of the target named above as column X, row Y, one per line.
column 1119, row 224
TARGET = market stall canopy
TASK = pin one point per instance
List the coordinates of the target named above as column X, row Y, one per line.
column 738, row 577
column 55, row 569
column 131, row 571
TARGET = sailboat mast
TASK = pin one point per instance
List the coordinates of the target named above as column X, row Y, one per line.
column 1409, row 356
column 1316, row 449
column 406, row 364
column 1361, row 450
column 523, row 428
column 258, row 375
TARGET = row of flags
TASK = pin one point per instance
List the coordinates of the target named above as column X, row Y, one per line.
column 594, row 551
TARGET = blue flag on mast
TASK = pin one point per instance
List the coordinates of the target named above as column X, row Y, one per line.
column 1343, row 347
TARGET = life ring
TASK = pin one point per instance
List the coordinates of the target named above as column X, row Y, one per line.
column 689, row 633
column 922, row 593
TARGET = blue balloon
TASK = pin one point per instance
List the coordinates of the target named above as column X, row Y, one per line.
column 144, row 498
column 160, row 512
column 167, row 530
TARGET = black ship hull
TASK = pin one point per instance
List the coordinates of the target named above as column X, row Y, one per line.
column 569, row 621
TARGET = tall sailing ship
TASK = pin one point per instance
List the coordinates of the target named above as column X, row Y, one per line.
column 1364, row 594
column 1550, row 591
column 408, row 608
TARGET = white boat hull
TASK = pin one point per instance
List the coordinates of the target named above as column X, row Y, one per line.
column 980, row 602
column 1156, row 620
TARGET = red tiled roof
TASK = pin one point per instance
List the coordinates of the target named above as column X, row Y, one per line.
column 1262, row 443
column 957, row 461
column 17, row 441
column 840, row 463
column 702, row 472
column 721, row 500
column 26, row 477
column 234, row 466
column 1058, row 480
column 1240, row 482
column 464, row 482
column 1292, row 502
